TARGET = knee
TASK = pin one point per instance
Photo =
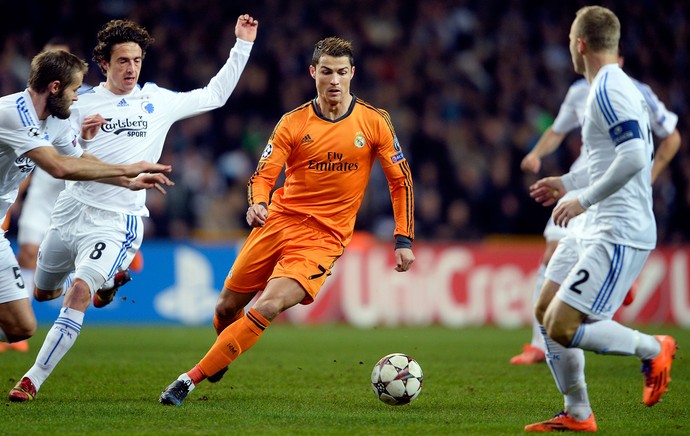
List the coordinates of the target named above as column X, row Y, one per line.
column 42, row 295
column 23, row 329
column 559, row 331
column 539, row 311
column 225, row 309
column 78, row 296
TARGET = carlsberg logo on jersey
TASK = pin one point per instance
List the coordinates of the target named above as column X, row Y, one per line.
column 135, row 128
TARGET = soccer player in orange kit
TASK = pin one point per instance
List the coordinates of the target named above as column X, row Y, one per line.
column 328, row 147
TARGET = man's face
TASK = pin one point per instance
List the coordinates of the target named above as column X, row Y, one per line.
column 59, row 102
column 122, row 72
column 333, row 77
column 578, row 60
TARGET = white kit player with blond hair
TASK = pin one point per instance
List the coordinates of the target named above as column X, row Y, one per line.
column 570, row 117
column 620, row 233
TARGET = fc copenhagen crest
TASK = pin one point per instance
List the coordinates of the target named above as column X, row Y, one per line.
column 359, row 140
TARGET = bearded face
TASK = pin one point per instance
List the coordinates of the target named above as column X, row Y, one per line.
column 59, row 104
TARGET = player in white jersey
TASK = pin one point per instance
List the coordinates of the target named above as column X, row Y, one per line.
column 41, row 192
column 618, row 139
column 97, row 229
column 570, row 117
column 34, row 131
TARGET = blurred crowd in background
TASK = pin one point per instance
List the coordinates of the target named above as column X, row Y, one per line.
column 470, row 86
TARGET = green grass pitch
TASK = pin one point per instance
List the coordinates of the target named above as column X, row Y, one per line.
column 315, row 380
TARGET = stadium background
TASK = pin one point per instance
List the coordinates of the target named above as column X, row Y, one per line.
column 470, row 86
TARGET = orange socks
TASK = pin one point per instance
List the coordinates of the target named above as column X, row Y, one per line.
column 221, row 323
column 232, row 341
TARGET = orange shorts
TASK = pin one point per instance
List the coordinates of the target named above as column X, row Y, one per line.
column 286, row 246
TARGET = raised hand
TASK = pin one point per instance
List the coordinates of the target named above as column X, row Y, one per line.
column 246, row 27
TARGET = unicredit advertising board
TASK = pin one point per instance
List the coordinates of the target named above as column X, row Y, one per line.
column 453, row 285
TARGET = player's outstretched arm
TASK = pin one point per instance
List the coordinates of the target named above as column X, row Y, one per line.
column 246, row 28
column 70, row 168
column 142, row 181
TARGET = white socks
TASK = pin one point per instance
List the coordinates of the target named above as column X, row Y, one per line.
column 537, row 338
column 567, row 366
column 610, row 337
column 57, row 343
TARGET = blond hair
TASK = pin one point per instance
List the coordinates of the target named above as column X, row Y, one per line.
column 599, row 28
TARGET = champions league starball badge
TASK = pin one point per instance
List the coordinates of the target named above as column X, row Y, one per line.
column 267, row 151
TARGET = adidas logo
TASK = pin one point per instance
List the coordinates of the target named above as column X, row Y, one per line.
column 122, row 103
column 307, row 139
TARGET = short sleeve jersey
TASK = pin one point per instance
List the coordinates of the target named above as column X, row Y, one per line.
column 328, row 164
column 20, row 132
column 616, row 117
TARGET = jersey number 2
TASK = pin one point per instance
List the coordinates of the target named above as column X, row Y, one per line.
column 584, row 276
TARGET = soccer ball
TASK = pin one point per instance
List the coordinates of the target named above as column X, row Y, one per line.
column 397, row 379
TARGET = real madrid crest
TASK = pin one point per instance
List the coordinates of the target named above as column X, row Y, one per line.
column 360, row 141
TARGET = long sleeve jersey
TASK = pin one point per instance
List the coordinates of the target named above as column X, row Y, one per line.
column 328, row 165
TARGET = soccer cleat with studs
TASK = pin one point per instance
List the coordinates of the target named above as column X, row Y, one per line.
column 103, row 297
column 564, row 422
column 217, row 376
column 23, row 391
column 530, row 355
column 657, row 371
column 177, row 391
column 21, row 346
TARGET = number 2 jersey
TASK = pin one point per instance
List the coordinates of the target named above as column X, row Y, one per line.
column 328, row 165
column 617, row 118
column 137, row 124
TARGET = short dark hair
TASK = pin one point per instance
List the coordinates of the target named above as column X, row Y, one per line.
column 51, row 65
column 117, row 32
column 333, row 46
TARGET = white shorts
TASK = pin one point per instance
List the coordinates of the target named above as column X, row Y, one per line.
column 38, row 206
column 563, row 259
column 601, row 278
column 93, row 242
column 12, row 286
column 552, row 232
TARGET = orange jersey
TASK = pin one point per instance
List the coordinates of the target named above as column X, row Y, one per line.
column 328, row 164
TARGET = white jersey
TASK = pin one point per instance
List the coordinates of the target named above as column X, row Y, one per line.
column 616, row 116
column 20, row 132
column 571, row 114
column 137, row 124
